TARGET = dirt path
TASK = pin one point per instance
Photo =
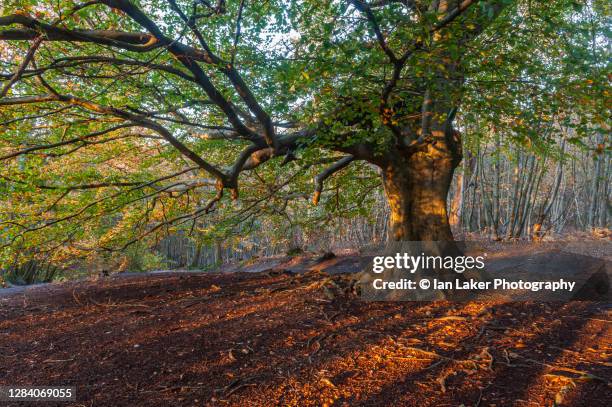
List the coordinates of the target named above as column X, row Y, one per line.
column 275, row 338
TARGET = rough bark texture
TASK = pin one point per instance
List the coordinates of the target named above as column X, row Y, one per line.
column 416, row 185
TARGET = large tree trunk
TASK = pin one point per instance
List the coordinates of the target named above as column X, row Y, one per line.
column 416, row 187
column 416, row 184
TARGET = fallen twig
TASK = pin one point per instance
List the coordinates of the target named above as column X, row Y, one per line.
column 236, row 385
column 450, row 318
column 583, row 374
column 109, row 304
column 235, row 389
column 588, row 319
column 57, row 360
column 76, row 299
column 486, row 352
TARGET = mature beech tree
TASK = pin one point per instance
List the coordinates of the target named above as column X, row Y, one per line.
column 373, row 81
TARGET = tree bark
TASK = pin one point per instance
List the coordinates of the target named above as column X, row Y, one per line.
column 457, row 202
column 416, row 187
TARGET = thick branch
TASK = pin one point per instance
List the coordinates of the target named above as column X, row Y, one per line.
column 226, row 67
column 181, row 52
column 138, row 42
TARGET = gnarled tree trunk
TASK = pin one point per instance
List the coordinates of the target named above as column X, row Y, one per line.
column 416, row 185
column 416, row 181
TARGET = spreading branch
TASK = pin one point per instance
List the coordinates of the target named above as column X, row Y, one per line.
column 136, row 119
column 329, row 171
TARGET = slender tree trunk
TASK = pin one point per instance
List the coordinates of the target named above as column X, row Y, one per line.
column 594, row 192
column 195, row 261
column 218, row 257
column 605, row 201
column 496, row 188
column 473, row 185
column 549, row 200
column 468, row 163
column 457, row 202
column 513, row 203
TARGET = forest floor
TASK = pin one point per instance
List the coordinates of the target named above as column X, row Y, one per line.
column 293, row 339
